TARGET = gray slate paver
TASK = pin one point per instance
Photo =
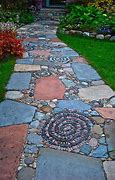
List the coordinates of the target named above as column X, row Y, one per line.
column 12, row 112
column 26, row 173
column 109, row 167
column 110, row 138
column 59, row 165
column 95, row 92
column 19, row 81
column 85, row 72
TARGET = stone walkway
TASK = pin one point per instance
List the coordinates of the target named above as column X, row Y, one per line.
column 58, row 111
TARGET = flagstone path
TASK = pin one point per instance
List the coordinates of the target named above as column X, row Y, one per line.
column 59, row 111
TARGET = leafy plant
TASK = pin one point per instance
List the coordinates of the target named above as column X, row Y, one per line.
column 20, row 17
column 9, row 44
column 86, row 18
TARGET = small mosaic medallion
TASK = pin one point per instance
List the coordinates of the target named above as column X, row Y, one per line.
column 66, row 130
column 62, row 60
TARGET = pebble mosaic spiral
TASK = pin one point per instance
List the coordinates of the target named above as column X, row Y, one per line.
column 62, row 60
column 66, row 130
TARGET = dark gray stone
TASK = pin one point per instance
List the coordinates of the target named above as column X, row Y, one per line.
column 19, row 81
column 73, row 105
column 12, row 112
column 85, row 72
column 59, row 165
column 26, row 173
column 110, row 138
column 29, row 160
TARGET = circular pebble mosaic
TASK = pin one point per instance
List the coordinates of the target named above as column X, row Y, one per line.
column 66, row 130
column 62, row 60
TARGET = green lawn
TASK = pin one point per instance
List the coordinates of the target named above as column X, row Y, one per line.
column 100, row 54
column 6, row 69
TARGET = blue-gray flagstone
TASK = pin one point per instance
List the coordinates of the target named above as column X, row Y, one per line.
column 100, row 152
column 59, row 165
column 12, row 112
column 73, row 105
column 19, row 81
column 49, row 36
column 31, row 149
column 25, row 61
column 68, row 83
column 33, row 138
column 85, row 72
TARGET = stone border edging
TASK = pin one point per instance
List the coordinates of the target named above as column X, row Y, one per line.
column 88, row 34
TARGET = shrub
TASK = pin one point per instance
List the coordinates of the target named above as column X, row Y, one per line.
column 86, row 18
column 19, row 17
column 9, row 44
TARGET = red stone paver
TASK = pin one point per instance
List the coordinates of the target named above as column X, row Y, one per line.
column 80, row 60
column 45, row 53
column 55, row 40
column 49, row 88
column 108, row 113
column 12, row 139
column 30, row 40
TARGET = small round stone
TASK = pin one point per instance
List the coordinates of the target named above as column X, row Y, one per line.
column 29, row 160
column 93, row 142
column 34, row 124
column 98, row 120
column 46, row 109
column 97, row 129
column 109, row 105
column 112, row 101
column 84, row 83
column 51, row 104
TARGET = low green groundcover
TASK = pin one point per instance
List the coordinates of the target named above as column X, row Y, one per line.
column 6, row 69
column 18, row 17
column 100, row 54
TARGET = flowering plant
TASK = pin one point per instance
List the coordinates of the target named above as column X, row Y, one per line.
column 102, row 4
column 9, row 44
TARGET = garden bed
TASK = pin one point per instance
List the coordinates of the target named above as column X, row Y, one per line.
column 89, row 21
